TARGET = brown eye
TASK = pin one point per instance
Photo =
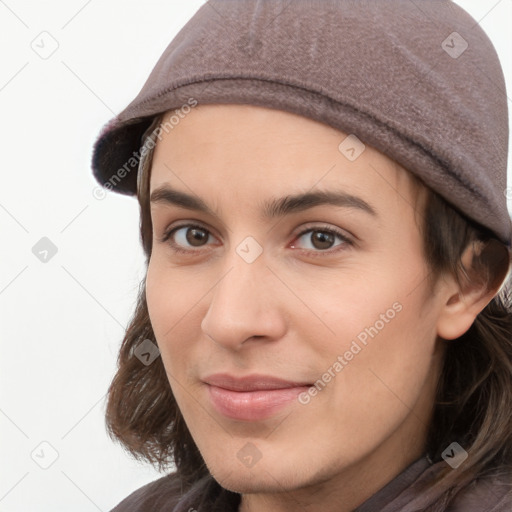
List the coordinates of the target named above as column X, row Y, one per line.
column 196, row 237
column 184, row 238
column 320, row 239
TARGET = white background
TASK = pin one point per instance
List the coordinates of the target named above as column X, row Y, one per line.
column 62, row 321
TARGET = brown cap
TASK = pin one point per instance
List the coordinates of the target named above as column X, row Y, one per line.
column 419, row 81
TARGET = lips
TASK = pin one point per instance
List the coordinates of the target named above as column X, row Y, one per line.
column 251, row 398
column 251, row 382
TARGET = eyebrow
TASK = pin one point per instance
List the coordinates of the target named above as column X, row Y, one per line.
column 273, row 208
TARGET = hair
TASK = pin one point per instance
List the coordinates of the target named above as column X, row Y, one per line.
column 474, row 393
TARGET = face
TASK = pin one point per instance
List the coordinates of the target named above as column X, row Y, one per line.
column 298, row 334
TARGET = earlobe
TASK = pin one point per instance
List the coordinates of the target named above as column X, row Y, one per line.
column 464, row 303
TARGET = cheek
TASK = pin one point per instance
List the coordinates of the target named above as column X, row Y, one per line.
column 381, row 349
column 387, row 366
column 173, row 298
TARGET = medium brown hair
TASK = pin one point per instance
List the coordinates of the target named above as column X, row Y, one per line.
column 474, row 395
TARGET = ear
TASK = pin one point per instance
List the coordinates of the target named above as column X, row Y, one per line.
column 487, row 266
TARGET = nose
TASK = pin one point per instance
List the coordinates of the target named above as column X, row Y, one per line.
column 244, row 304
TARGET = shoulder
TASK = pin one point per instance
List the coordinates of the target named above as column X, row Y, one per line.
column 485, row 494
column 159, row 495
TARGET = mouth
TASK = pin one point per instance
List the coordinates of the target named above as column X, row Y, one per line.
column 252, row 398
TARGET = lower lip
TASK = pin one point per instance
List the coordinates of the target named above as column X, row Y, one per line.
column 252, row 405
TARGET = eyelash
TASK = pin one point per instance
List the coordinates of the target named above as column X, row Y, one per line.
column 324, row 229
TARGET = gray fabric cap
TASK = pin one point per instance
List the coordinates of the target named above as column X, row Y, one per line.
column 418, row 80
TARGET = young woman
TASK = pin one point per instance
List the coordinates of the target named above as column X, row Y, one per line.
column 325, row 323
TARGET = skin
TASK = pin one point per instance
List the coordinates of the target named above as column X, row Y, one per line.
column 297, row 307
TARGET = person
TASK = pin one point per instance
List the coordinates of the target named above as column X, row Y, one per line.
column 325, row 322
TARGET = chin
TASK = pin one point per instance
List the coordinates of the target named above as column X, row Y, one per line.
column 259, row 479
column 247, row 481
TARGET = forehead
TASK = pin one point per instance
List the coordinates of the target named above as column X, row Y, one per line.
column 220, row 148
column 218, row 130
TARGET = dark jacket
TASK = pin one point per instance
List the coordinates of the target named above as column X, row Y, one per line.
column 399, row 495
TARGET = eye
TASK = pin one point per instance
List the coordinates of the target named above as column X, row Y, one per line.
column 322, row 239
column 187, row 235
